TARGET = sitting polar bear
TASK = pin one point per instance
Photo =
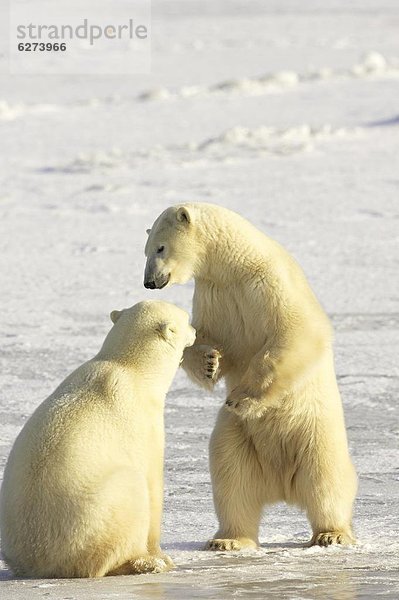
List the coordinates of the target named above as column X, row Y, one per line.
column 281, row 434
column 82, row 490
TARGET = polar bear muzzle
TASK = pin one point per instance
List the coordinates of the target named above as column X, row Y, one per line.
column 155, row 281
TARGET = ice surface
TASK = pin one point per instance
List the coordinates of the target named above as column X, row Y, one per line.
column 86, row 166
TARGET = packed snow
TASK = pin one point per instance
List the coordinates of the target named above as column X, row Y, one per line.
column 286, row 112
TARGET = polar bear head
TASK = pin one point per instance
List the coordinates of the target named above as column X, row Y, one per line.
column 171, row 248
column 149, row 333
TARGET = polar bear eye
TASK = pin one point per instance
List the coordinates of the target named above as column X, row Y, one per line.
column 160, row 249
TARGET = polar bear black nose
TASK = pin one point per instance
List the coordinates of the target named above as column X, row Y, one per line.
column 150, row 285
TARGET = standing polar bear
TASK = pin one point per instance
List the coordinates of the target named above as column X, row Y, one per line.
column 280, row 435
column 83, row 485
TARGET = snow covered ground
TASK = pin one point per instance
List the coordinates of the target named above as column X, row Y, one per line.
column 286, row 112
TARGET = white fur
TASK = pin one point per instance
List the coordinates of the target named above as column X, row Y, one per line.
column 281, row 435
column 83, row 485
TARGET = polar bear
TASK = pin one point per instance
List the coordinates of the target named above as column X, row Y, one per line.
column 83, row 485
column 280, row 436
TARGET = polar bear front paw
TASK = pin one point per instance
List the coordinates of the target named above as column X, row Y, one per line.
column 202, row 364
column 144, row 564
column 240, row 402
column 211, row 363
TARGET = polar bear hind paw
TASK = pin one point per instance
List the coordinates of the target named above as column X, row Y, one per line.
column 328, row 538
column 167, row 560
column 229, row 544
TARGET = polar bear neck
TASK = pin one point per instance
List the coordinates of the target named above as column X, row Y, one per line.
column 148, row 360
column 230, row 247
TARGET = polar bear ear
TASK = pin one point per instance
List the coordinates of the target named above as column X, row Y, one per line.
column 183, row 216
column 166, row 331
column 148, row 231
column 115, row 314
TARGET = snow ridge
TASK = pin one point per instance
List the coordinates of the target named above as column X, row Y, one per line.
column 373, row 65
column 236, row 143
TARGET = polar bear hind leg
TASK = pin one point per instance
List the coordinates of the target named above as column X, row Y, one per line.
column 116, row 543
column 131, row 528
column 328, row 503
column 237, row 486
